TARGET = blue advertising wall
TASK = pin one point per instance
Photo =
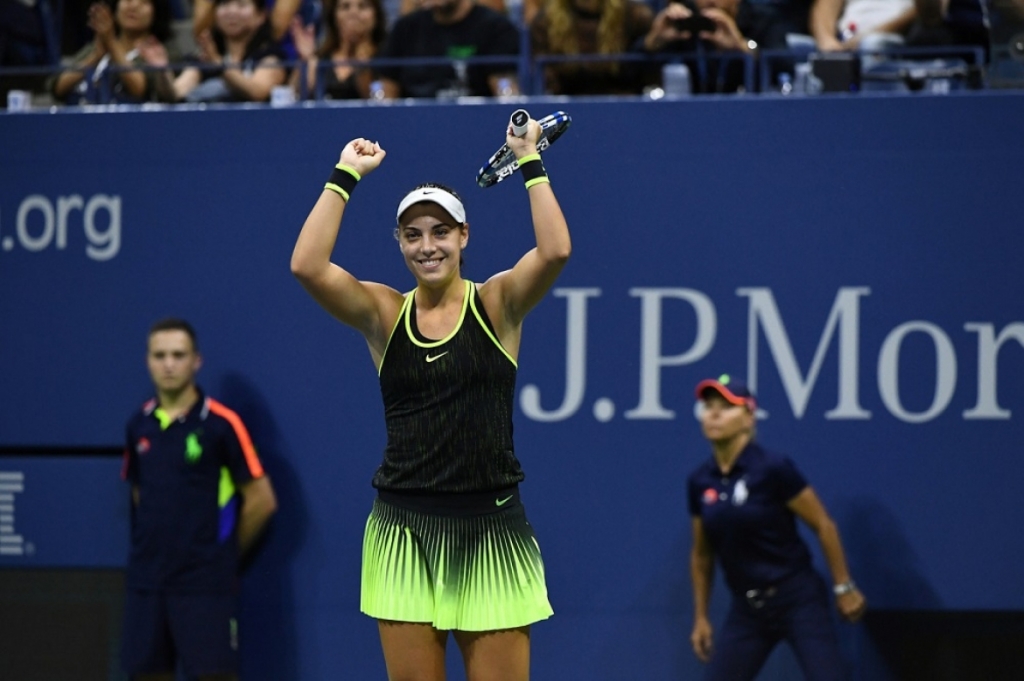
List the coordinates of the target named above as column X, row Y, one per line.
column 856, row 259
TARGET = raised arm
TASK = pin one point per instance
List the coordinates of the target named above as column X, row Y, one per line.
column 202, row 16
column 364, row 306
column 281, row 17
column 808, row 508
column 519, row 289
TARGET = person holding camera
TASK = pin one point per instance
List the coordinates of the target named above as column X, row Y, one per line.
column 711, row 20
column 710, row 38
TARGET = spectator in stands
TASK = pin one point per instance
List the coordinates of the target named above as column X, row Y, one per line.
column 566, row 28
column 1005, row 24
column 280, row 16
column 28, row 35
column 712, row 39
column 459, row 30
column 843, row 25
column 530, row 10
column 949, row 23
column 768, row 22
column 355, row 30
column 408, row 6
column 238, row 60
column 135, row 33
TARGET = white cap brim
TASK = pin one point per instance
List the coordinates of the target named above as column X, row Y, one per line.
column 436, row 195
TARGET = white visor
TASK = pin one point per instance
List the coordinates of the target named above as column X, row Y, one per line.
column 436, row 195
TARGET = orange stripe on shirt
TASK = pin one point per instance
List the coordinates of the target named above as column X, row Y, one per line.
column 255, row 467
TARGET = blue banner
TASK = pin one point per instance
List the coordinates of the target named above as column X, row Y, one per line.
column 856, row 260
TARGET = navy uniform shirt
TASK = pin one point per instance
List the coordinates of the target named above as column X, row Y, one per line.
column 751, row 530
column 184, row 527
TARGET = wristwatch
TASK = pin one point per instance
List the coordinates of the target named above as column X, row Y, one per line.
column 844, row 588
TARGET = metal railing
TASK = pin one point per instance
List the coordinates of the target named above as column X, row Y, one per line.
column 530, row 69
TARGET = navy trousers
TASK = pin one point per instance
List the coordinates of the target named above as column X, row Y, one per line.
column 797, row 611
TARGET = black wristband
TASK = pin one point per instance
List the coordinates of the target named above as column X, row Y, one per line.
column 533, row 170
column 343, row 181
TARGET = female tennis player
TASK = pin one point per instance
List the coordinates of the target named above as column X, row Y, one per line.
column 447, row 546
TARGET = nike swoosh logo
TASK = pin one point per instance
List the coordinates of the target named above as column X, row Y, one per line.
column 502, row 502
column 436, row 357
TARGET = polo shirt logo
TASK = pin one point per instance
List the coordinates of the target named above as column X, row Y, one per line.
column 142, row 446
column 710, row 496
column 740, row 493
column 193, row 450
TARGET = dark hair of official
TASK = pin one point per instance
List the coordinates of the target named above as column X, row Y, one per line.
column 175, row 324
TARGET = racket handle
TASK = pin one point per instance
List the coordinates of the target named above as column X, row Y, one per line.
column 519, row 122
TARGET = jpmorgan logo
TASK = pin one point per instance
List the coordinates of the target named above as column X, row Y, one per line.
column 41, row 223
column 798, row 376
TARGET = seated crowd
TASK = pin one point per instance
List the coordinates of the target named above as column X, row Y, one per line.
column 242, row 50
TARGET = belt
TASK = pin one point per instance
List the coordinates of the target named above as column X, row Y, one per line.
column 756, row 598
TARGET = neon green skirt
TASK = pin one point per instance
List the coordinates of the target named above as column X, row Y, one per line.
column 477, row 573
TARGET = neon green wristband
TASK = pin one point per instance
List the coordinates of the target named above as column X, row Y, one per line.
column 343, row 181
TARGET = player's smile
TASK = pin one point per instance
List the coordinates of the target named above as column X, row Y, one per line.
column 429, row 240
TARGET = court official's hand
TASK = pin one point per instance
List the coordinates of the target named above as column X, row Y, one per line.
column 701, row 639
column 362, row 155
column 852, row 605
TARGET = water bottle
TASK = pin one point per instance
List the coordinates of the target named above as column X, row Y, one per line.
column 804, row 80
column 675, row 80
column 505, row 88
column 462, row 75
column 785, row 83
column 376, row 92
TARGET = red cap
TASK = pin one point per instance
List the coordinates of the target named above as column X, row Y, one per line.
column 734, row 391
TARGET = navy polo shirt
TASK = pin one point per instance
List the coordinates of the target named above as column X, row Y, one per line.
column 184, row 527
column 751, row 530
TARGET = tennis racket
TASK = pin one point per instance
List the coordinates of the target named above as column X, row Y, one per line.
column 503, row 163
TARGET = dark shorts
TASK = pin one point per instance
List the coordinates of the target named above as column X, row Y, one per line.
column 161, row 628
